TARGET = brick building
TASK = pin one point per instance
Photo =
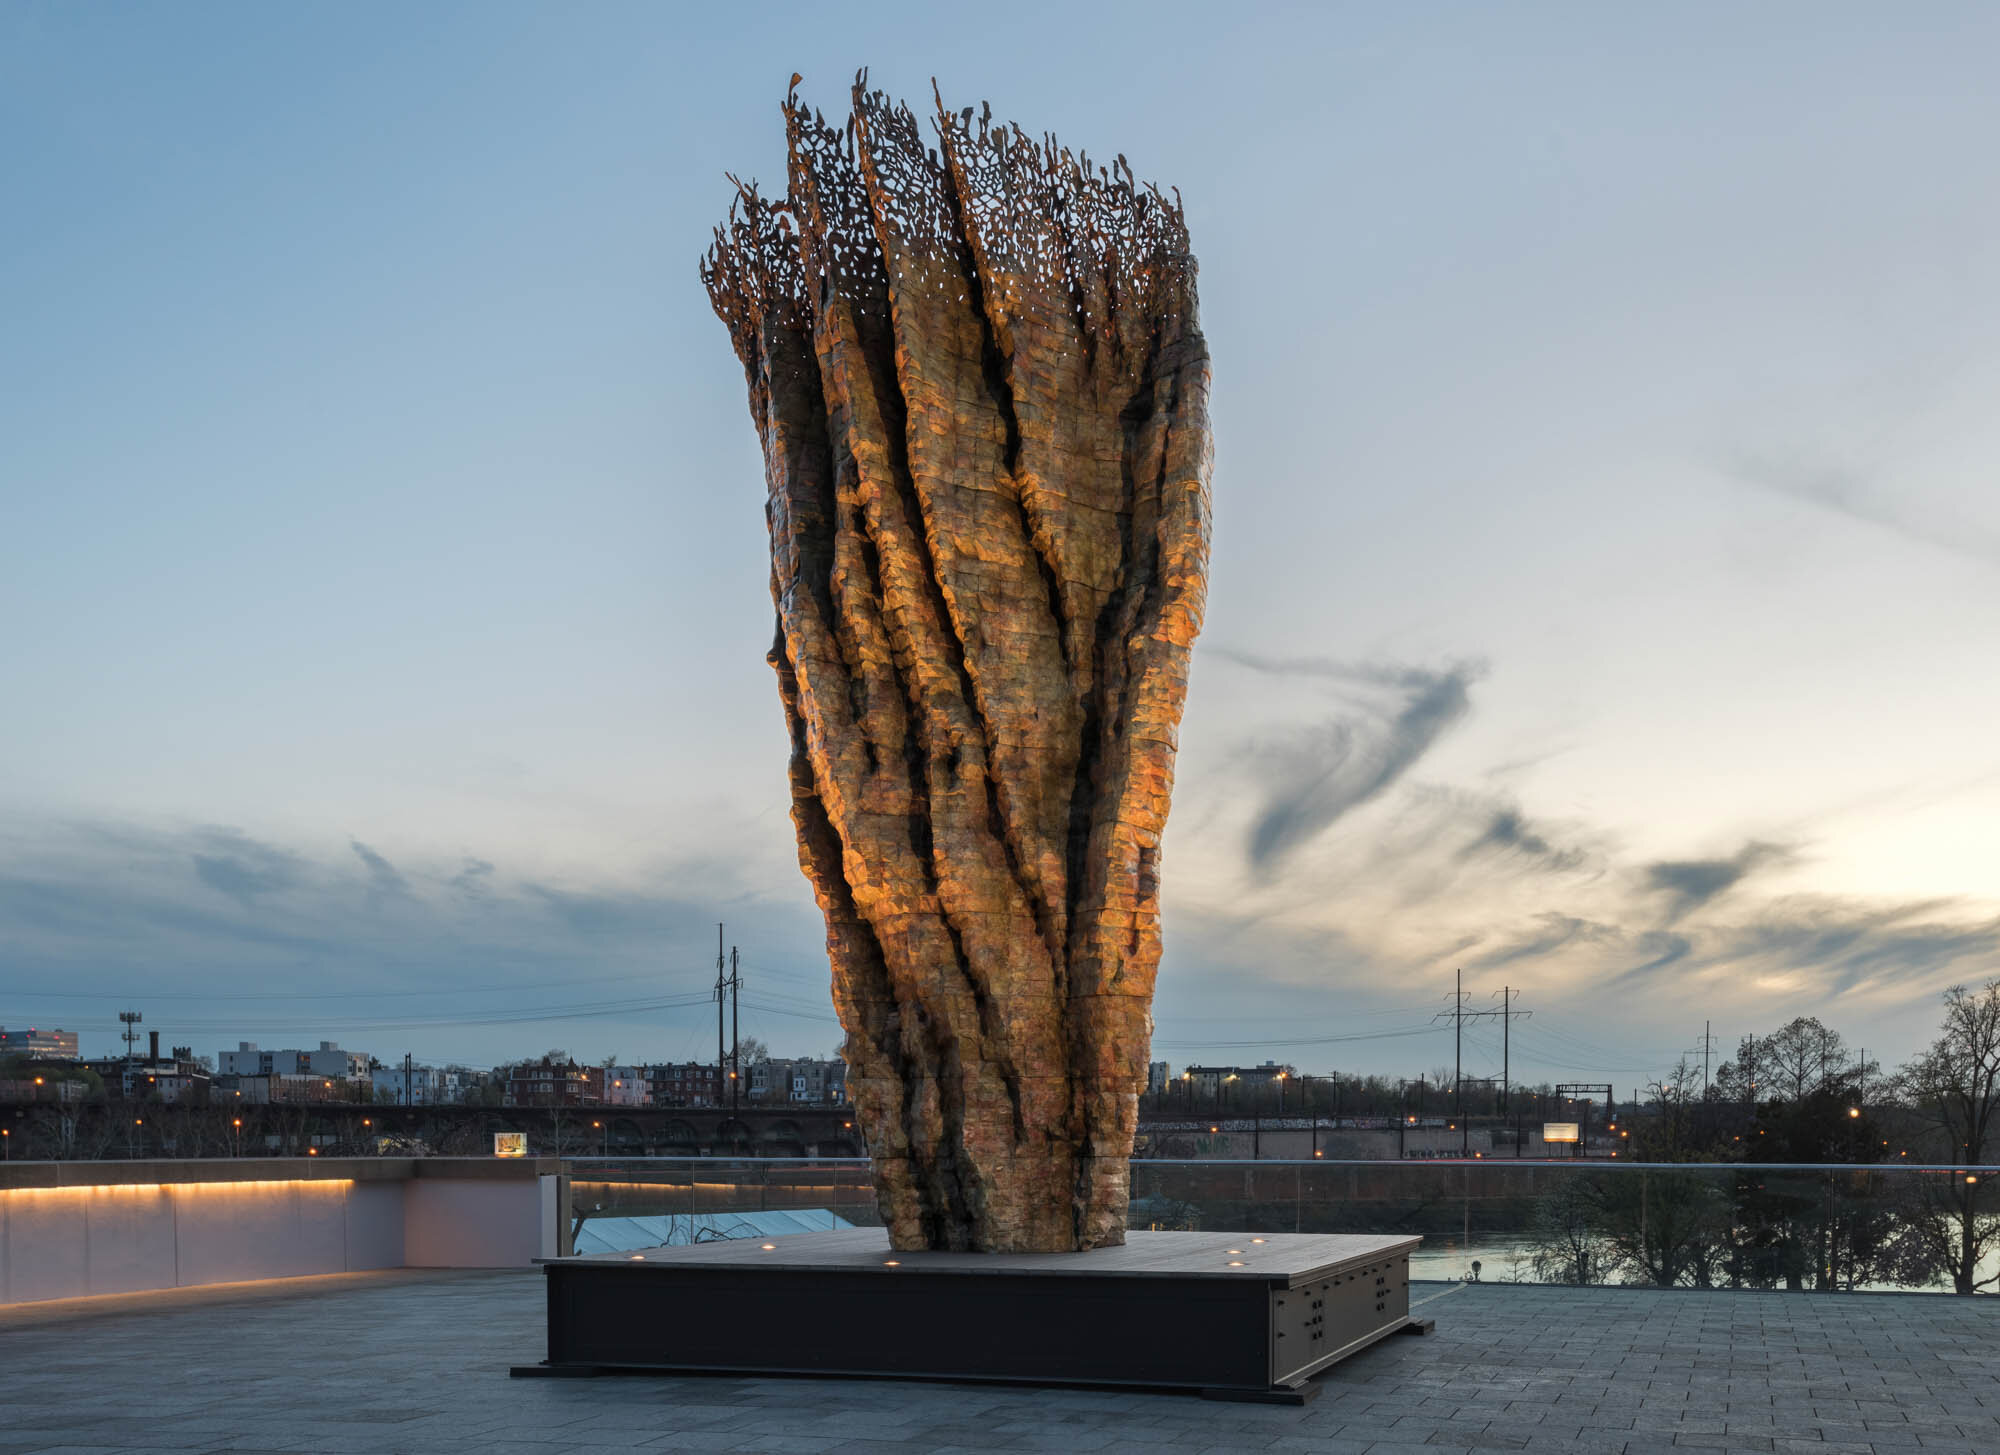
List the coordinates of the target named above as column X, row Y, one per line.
column 548, row 1083
column 686, row 1083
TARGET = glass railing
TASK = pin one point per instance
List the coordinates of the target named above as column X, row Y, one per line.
column 1826, row 1228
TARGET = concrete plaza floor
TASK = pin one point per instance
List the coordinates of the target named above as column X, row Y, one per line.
column 418, row 1362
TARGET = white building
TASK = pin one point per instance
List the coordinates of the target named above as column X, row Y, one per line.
column 422, row 1086
column 329, row 1061
column 627, row 1086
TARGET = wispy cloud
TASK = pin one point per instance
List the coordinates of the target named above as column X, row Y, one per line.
column 1842, row 945
column 1552, row 933
column 472, row 878
column 1508, row 834
column 383, row 877
column 1315, row 775
column 231, row 863
column 1688, row 884
column 1861, row 495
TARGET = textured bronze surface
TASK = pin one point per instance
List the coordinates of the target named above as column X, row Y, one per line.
column 983, row 398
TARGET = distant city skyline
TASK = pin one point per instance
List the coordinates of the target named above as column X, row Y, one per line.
column 1606, row 561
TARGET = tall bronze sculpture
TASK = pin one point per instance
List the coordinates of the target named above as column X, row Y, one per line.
column 982, row 394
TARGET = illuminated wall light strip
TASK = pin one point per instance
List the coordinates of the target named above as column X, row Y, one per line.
column 98, row 1187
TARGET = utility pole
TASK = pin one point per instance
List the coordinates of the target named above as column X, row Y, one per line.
column 720, row 1061
column 735, row 1041
column 131, row 1018
column 1508, row 1015
column 1458, row 1064
column 407, row 1100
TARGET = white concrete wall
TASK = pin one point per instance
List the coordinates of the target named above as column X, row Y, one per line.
column 74, row 1242
column 472, row 1222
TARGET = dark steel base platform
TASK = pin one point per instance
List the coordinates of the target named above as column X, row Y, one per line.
column 1231, row 1315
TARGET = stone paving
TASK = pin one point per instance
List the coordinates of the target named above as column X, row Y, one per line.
column 413, row 1362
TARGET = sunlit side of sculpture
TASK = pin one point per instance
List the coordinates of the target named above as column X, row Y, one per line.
column 982, row 393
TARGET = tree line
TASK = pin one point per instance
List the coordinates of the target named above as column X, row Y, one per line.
column 1801, row 1096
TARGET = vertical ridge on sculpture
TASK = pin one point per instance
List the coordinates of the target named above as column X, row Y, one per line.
column 976, row 372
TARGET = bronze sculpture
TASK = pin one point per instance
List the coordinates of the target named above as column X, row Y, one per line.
column 982, row 395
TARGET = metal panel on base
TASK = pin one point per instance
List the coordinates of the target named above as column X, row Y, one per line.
column 1232, row 1315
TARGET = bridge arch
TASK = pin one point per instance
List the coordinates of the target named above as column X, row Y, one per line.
column 782, row 1138
column 677, row 1137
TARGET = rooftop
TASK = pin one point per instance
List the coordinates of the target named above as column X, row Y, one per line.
column 416, row 1361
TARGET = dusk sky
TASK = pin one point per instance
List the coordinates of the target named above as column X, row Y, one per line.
column 1606, row 561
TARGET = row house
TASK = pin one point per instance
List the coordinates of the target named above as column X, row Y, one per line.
column 806, row 1081
column 548, row 1083
column 685, row 1083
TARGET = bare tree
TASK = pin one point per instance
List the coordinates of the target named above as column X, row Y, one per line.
column 1802, row 1058
column 1567, row 1241
column 1678, row 1132
column 1953, row 1087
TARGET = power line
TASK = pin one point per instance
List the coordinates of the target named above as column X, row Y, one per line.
column 1298, row 1040
column 1344, row 1018
column 1596, row 1048
column 804, row 1015
column 149, row 995
column 585, row 1011
column 1552, row 1056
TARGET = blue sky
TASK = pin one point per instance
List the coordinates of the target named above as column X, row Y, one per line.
column 1603, row 458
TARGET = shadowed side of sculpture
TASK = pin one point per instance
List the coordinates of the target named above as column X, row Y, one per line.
column 976, row 371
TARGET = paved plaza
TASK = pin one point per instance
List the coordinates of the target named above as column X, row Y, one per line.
column 417, row 1362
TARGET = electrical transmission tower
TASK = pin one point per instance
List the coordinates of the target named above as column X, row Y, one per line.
column 1459, row 1015
column 727, row 987
column 1707, row 1048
